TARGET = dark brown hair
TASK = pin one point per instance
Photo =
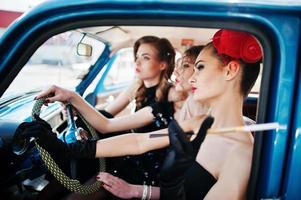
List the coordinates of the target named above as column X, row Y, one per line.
column 250, row 71
column 166, row 53
column 193, row 51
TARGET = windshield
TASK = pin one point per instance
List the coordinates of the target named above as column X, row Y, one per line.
column 56, row 62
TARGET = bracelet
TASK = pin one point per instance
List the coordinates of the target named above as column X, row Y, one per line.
column 145, row 191
column 150, row 193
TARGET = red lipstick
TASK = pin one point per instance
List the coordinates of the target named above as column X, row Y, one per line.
column 193, row 89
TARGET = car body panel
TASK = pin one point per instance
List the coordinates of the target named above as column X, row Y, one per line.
column 280, row 108
column 292, row 183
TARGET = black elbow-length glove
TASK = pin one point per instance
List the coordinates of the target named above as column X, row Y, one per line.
column 44, row 136
column 181, row 154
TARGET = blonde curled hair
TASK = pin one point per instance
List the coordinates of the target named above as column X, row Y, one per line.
column 166, row 53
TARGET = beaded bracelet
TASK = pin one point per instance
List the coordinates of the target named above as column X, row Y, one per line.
column 150, row 193
column 145, row 191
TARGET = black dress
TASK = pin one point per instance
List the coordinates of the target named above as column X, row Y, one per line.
column 144, row 169
column 195, row 186
column 198, row 181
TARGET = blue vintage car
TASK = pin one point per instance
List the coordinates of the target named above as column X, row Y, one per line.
column 43, row 47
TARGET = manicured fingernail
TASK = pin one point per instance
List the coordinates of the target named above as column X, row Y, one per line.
column 35, row 98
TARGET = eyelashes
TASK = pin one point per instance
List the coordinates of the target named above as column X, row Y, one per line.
column 199, row 66
column 146, row 58
column 186, row 65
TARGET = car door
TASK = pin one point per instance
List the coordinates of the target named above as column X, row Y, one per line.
column 292, row 183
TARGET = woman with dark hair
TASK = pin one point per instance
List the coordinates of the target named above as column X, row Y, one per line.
column 183, row 71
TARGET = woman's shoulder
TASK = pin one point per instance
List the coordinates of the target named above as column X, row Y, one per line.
column 234, row 170
column 233, row 150
column 239, row 155
column 241, row 143
column 242, row 150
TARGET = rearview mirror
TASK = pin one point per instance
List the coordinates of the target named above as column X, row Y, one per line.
column 84, row 49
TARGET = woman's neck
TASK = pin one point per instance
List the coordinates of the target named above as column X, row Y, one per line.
column 189, row 92
column 151, row 82
column 227, row 111
column 186, row 94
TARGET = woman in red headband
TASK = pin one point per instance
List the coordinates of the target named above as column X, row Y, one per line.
column 213, row 166
column 225, row 72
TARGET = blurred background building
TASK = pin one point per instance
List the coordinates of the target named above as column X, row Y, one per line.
column 10, row 10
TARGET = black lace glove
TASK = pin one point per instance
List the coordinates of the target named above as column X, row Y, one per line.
column 181, row 154
column 42, row 132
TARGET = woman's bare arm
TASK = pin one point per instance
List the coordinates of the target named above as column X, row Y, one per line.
column 131, row 144
column 104, row 125
column 125, row 190
column 122, row 100
column 138, row 119
column 138, row 143
column 138, row 192
column 98, row 121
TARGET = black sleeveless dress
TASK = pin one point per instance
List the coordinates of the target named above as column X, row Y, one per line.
column 144, row 169
column 198, row 181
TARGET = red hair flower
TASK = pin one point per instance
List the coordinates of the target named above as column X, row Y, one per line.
column 237, row 45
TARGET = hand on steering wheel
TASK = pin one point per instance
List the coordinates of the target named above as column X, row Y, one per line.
column 55, row 93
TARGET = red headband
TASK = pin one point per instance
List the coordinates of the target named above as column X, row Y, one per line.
column 237, row 45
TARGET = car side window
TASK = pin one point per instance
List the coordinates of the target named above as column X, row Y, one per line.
column 121, row 70
column 56, row 62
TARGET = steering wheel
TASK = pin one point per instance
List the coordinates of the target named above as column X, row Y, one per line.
column 70, row 136
column 71, row 184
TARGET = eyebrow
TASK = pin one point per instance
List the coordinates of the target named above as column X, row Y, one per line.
column 186, row 60
column 198, row 62
column 144, row 54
